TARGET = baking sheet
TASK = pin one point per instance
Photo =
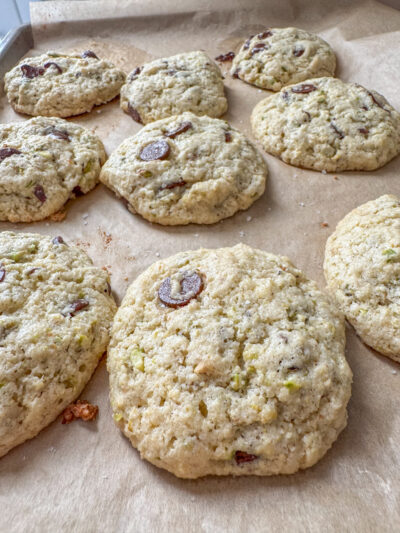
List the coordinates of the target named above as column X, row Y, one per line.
column 87, row 477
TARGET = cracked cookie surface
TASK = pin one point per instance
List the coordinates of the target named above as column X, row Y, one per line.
column 228, row 361
column 282, row 56
column 55, row 315
column 60, row 85
column 172, row 85
column 362, row 270
column 186, row 169
column 326, row 124
column 43, row 163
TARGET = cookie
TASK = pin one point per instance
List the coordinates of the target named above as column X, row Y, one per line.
column 173, row 85
column 228, row 361
column 186, row 169
column 60, row 85
column 326, row 124
column 55, row 316
column 362, row 270
column 281, row 56
column 43, row 163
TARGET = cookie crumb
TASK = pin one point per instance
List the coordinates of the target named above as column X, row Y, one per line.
column 324, row 225
column 249, row 218
column 335, row 178
column 80, row 409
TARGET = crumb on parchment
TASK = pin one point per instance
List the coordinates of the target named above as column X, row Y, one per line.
column 79, row 409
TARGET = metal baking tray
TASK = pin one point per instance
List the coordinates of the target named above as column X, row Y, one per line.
column 14, row 45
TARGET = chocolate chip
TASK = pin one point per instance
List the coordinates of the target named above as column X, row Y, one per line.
column 52, row 64
column 191, row 286
column 228, row 137
column 365, row 131
column 77, row 191
column 31, row 271
column 247, row 43
column 337, row 130
column 243, row 457
column 134, row 114
column 258, row 48
column 236, row 74
column 172, row 185
column 8, row 152
column 297, row 52
column 31, row 72
column 285, row 96
column 157, row 150
column 2, row 274
column 183, row 126
column 225, row 57
column 58, row 240
column 38, row 191
column 304, row 88
column 89, row 53
column 264, row 35
column 76, row 306
column 134, row 74
column 293, row 368
column 51, row 131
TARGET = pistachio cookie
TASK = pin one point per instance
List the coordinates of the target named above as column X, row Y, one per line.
column 362, row 270
column 43, row 163
column 60, row 85
column 326, row 124
column 280, row 56
column 172, row 85
column 228, row 361
column 186, row 169
column 55, row 315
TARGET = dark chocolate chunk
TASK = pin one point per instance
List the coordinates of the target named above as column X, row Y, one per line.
column 77, row 191
column 364, row 131
column 31, row 72
column 156, row 150
column 135, row 73
column 264, row 35
column 2, row 273
column 337, row 130
column 297, row 52
column 8, row 152
column 76, row 306
column 38, row 191
column 89, row 53
column 304, row 88
column 228, row 137
column 183, row 126
column 258, row 47
column 52, row 64
column 57, row 134
column 191, row 286
column 236, row 74
column 58, row 240
column 134, row 114
column 225, row 57
column 243, row 457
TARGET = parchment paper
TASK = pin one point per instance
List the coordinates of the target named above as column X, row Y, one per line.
column 87, row 477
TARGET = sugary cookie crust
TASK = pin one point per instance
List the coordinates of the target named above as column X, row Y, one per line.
column 326, row 124
column 69, row 85
column 55, row 315
column 362, row 269
column 249, row 377
column 51, row 160
column 211, row 171
column 173, row 85
column 281, row 56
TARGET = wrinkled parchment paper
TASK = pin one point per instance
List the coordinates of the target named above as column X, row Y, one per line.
column 87, row 477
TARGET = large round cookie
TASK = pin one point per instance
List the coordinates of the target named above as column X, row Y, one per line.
column 326, row 124
column 228, row 361
column 55, row 315
column 43, row 162
column 173, row 85
column 362, row 270
column 186, row 169
column 60, row 85
column 280, row 56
